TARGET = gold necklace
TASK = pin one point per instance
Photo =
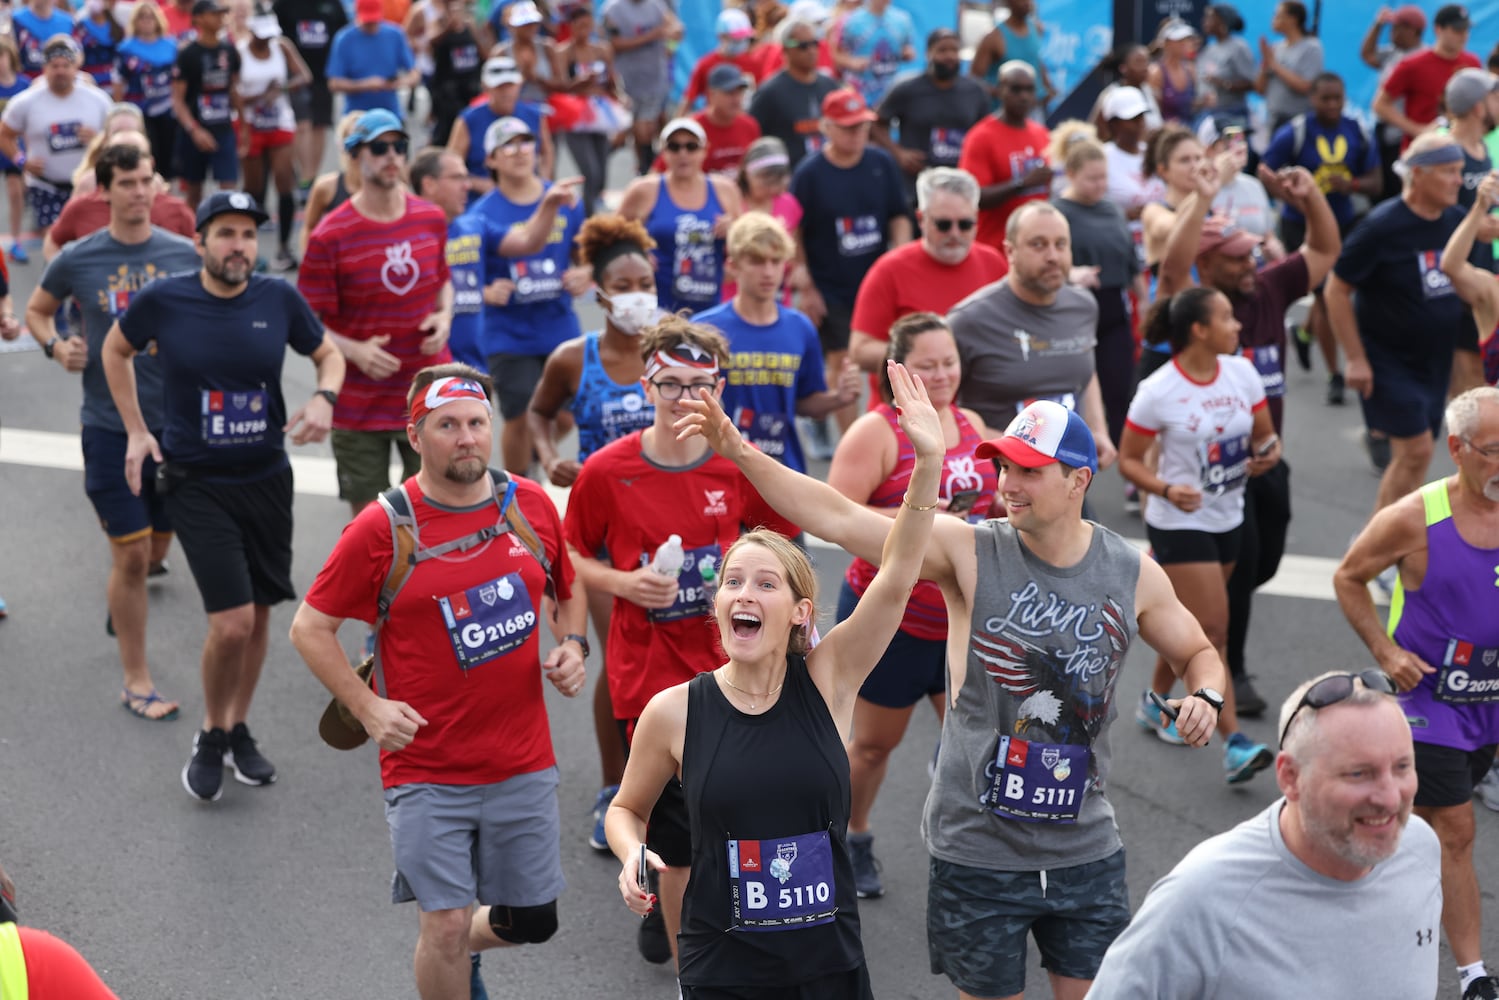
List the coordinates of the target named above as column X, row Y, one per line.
column 750, row 694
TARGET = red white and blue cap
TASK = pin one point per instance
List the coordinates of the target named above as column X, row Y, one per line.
column 444, row 391
column 681, row 355
column 1044, row 432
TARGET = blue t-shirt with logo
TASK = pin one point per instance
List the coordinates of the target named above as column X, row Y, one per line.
column 98, row 46
column 771, row 369
column 879, row 38
column 539, row 315
column 31, row 33
column 477, row 120
column 145, row 68
column 356, row 54
column 1343, row 150
column 471, row 240
column 847, row 218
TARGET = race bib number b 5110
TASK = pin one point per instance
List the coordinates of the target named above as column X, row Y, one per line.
column 782, row 884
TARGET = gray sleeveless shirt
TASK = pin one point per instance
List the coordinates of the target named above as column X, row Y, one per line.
column 1028, row 734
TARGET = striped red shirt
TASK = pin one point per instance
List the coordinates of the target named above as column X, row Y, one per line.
column 365, row 278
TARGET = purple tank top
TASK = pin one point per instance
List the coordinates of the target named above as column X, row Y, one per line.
column 1449, row 623
column 1176, row 105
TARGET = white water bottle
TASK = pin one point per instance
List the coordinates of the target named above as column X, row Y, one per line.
column 669, row 557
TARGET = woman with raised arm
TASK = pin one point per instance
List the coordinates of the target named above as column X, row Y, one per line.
column 1475, row 286
column 758, row 744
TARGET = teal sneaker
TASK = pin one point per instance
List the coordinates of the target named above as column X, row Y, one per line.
column 1150, row 719
column 1243, row 759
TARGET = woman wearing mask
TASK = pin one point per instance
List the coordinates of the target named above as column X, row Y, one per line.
column 143, row 76
column 270, row 67
column 688, row 214
column 595, row 379
column 873, row 466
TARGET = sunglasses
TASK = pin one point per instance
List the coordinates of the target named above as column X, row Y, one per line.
column 795, row 46
column 379, row 147
column 964, row 225
column 1336, row 688
column 683, row 147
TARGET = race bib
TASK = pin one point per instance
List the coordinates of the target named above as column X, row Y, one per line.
column 695, row 273
column 694, row 599
column 770, row 432
column 233, row 419
column 859, row 235
column 465, row 58
column 1066, row 399
column 156, row 86
column 1469, row 674
column 63, row 136
column 213, row 109
column 468, row 297
column 488, row 621
column 625, row 415
column 266, row 117
column 1267, row 362
column 782, row 885
column 537, row 279
column 947, row 145
column 1225, row 464
column 312, row 34
column 1037, row 782
column 1434, row 283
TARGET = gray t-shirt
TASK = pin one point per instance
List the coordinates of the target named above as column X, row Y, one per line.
column 1245, row 200
column 103, row 274
column 1228, row 60
column 644, row 70
column 1242, row 916
column 1101, row 238
column 1014, row 352
column 1024, row 758
column 50, row 126
column 792, row 112
column 1304, row 58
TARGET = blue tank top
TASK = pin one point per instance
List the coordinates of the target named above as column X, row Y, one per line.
column 689, row 260
column 603, row 409
column 1458, row 706
column 1026, row 48
column 478, row 119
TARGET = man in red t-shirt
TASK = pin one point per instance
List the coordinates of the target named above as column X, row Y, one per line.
column 1420, row 79
column 931, row 274
column 728, row 128
column 89, row 213
column 1006, row 154
column 736, row 47
column 376, row 274
column 457, row 709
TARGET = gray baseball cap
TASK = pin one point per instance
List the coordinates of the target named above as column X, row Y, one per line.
column 1466, row 88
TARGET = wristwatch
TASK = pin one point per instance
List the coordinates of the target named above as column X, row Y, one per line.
column 581, row 640
column 1211, row 697
column 329, row 395
column 50, row 346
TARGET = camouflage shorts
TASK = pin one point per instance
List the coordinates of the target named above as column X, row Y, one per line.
column 977, row 919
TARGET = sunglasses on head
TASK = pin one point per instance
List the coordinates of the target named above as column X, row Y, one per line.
column 1339, row 687
column 683, row 147
column 379, row 147
column 945, row 225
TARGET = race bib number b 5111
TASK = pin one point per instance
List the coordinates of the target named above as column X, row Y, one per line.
column 1038, row 782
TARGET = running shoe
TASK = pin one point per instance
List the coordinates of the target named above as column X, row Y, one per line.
column 1243, row 759
column 1247, row 701
column 651, row 939
column 1482, row 988
column 283, row 261
column 1301, row 339
column 867, row 884
column 1335, row 387
column 3, row 610
column 931, row 765
column 1488, row 789
column 18, row 254
column 476, row 990
column 1150, row 719
column 815, row 436
column 244, row 756
column 1131, row 499
column 1379, row 450
column 158, row 569
column 203, row 774
column 596, row 839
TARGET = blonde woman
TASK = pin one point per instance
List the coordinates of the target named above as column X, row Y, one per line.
column 143, row 76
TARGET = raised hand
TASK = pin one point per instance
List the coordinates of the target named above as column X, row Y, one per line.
column 709, row 421
column 918, row 418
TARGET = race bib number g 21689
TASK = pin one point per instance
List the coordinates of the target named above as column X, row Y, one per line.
column 1038, row 782
column 782, row 884
column 488, row 621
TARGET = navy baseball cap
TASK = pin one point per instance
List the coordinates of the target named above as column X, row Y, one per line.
column 1045, row 432
column 229, row 203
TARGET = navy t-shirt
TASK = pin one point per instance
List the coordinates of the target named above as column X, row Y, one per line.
column 1406, row 307
column 848, row 212
column 221, row 366
column 771, row 369
column 1327, row 152
column 539, row 315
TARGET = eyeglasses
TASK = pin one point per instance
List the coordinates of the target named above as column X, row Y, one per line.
column 379, row 147
column 515, row 148
column 453, row 177
column 1338, row 687
column 683, row 147
column 1021, row 87
column 945, row 225
column 1489, row 451
column 673, row 390
column 795, row 46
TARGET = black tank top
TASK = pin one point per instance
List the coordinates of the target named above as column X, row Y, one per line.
column 340, row 194
column 774, row 790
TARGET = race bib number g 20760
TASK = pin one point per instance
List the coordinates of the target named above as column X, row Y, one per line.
column 1469, row 674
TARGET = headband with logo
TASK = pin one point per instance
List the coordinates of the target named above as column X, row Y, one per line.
column 682, row 355
column 445, row 391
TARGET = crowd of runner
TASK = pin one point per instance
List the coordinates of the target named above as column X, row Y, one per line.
column 824, row 257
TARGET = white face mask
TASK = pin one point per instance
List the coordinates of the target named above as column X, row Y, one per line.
column 631, row 312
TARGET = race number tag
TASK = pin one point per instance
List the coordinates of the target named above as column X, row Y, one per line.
column 781, row 885
column 770, row 432
column 213, row 109
column 859, row 235
column 266, row 117
column 695, row 276
column 1434, row 282
column 537, row 279
column 1469, row 674
column 693, row 598
column 465, row 58
column 63, row 136
column 1037, row 782
column 468, row 297
column 947, row 146
column 234, row 419
column 488, row 621
column 312, row 34
column 1267, row 362
column 1225, row 464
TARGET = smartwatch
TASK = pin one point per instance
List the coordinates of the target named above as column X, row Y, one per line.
column 329, row 395
column 581, row 640
column 1211, row 697
column 51, row 346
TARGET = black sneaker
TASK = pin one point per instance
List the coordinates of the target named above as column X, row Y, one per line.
column 250, row 765
column 1301, row 339
column 1379, row 450
column 867, row 884
column 651, row 939
column 1482, row 988
column 158, row 569
column 1247, row 701
column 1335, row 389
column 203, row 774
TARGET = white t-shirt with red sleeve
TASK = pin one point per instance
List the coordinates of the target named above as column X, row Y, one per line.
column 461, row 644
column 1205, row 431
column 627, row 504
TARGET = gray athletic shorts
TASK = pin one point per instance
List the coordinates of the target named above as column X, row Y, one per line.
column 498, row 844
column 977, row 920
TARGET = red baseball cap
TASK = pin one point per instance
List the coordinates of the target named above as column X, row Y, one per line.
column 845, row 106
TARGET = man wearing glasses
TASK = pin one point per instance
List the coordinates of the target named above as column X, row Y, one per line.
column 1007, row 153
column 376, row 274
column 1442, row 649
column 789, row 105
column 1281, row 904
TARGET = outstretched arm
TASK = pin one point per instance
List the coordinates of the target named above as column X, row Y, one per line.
column 1475, row 286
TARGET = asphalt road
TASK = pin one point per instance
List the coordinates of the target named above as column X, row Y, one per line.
column 283, row 891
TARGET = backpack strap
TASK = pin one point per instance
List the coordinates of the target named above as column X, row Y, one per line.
column 404, row 545
column 1298, row 137
column 515, row 520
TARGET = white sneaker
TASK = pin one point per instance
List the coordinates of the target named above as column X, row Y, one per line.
column 1488, row 789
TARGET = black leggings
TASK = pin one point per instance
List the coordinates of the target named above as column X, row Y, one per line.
column 1267, row 515
column 161, row 132
column 1114, row 356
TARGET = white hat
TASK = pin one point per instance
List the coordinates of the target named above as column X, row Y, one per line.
column 1124, row 103
column 499, row 71
column 683, row 125
column 265, row 26
column 523, row 13
column 1177, row 31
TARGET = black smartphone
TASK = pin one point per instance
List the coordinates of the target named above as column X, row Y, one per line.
column 962, row 501
column 643, row 873
column 1160, row 703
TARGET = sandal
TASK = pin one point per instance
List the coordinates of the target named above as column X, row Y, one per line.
column 139, row 705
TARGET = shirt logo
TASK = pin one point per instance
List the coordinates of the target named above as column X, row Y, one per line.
column 716, row 507
column 400, row 271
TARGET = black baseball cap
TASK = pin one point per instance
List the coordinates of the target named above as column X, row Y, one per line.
column 229, row 203
column 1453, row 15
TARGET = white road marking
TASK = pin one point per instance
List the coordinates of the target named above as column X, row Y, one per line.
column 1307, row 577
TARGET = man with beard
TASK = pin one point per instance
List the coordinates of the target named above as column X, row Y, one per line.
column 376, row 274
column 934, row 111
column 1335, row 868
column 465, row 749
column 1440, row 650
column 220, row 336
